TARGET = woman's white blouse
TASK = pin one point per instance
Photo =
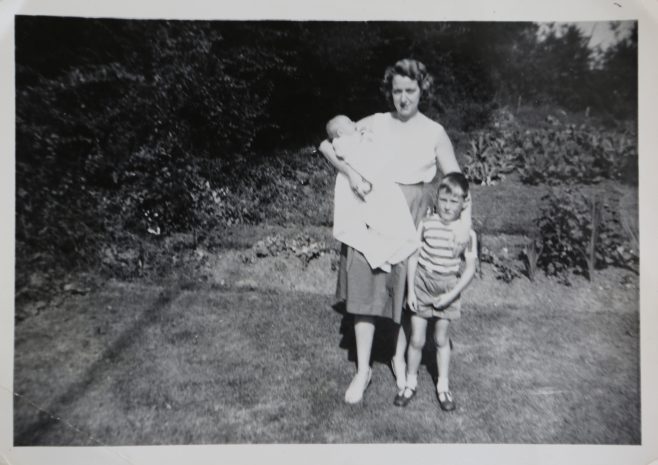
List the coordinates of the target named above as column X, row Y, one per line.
column 409, row 149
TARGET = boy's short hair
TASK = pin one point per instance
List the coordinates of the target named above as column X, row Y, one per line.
column 453, row 180
column 333, row 123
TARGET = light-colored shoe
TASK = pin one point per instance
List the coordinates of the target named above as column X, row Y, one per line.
column 357, row 388
column 400, row 373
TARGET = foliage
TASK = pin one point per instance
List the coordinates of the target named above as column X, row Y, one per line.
column 502, row 265
column 301, row 246
column 555, row 154
column 131, row 131
column 580, row 234
column 530, row 254
column 582, row 154
column 489, row 158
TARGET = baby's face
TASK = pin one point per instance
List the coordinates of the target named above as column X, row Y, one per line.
column 450, row 204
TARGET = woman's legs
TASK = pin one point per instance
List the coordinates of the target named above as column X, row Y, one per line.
column 415, row 350
column 442, row 354
column 364, row 330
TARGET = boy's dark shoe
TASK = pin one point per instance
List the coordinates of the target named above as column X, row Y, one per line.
column 445, row 401
column 403, row 397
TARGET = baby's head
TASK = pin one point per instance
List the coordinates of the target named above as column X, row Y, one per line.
column 451, row 195
column 340, row 125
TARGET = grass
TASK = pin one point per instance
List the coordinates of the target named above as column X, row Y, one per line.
column 228, row 350
column 136, row 364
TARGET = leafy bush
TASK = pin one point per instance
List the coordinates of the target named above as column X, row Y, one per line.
column 503, row 266
column 580, row 234
column 489, row 158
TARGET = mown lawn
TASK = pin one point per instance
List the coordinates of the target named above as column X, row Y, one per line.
column 250, row 349
column 171, row 364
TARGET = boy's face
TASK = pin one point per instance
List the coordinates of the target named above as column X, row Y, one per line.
column 450, row 204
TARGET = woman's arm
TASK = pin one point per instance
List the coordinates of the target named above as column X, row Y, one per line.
column 412, row 265
column 445, row 153
column 356, row 180
column 447, row 163
column 367, row 122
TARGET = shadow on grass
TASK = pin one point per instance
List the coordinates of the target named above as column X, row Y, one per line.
column 383, row 346
column 227, row 366
column 34, row 433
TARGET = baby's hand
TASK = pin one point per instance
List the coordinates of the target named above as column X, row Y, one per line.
column 442, row 301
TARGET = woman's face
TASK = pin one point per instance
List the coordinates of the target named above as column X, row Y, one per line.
column 406, row 95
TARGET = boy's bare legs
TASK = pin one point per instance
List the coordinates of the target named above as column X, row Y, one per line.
column 442, row 354
column 364, row 330
column 415, row 350
column 443, row 363
column 397, row 362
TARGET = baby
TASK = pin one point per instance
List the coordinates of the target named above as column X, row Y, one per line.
column 380, row 225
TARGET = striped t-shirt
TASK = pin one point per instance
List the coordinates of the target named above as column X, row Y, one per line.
column 437, row 252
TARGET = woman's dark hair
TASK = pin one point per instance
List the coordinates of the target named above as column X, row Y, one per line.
column 412, row 69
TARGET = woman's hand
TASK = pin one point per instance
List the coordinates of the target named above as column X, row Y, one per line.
column 359, row 185
column 412, row 301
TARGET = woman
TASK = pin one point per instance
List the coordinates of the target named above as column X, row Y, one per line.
column 413, row 145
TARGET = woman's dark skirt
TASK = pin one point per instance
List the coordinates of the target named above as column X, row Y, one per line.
column 371, row 292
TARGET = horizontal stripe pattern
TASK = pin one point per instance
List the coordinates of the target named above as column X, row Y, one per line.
column 437, row 252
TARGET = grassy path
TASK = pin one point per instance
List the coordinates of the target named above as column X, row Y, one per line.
column 139, row 364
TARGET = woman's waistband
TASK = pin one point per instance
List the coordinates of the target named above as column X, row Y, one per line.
column 415, row 184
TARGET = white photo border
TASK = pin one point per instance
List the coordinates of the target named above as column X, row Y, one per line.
column 644, row 11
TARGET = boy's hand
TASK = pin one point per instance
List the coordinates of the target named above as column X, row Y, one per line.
column 442, row 301
column 412, row 301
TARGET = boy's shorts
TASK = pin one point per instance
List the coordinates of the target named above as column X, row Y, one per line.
column 429, row 285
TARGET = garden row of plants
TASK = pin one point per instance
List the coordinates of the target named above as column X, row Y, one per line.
column 575, row 232
column 555, row 155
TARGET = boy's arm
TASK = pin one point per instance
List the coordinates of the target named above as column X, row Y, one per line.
column 470, row 257
column 412, row 265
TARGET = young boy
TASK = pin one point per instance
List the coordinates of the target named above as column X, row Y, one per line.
column 379, row 225
column 434, row 284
